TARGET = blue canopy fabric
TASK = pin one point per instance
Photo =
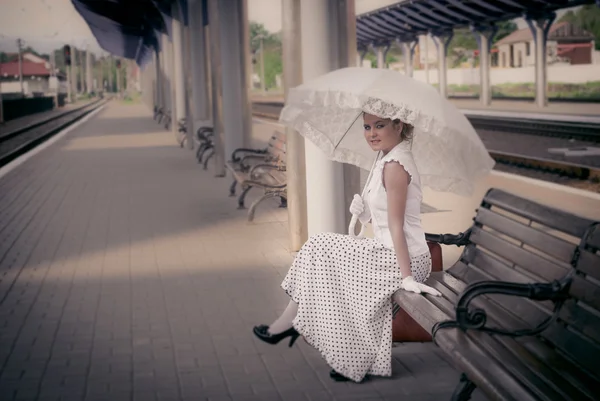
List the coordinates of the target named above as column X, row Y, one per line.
column 130, row 28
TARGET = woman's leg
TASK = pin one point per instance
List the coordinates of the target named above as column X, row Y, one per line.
column 284, row 322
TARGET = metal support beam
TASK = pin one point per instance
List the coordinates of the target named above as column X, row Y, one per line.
column 295, row 159
column 539, row 26
column 216, row 87
column 442, row 40
column 484, row 36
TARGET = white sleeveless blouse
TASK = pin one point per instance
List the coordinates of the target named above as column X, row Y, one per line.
column 376, row 200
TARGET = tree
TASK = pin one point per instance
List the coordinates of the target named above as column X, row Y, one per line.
column 505, row 28
column 272, row 52
column 588, row 18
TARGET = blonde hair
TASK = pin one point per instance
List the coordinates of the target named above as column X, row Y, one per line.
column 407, row 130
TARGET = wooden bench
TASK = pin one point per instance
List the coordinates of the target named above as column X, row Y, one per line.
column 262, row 168
column 520, row 311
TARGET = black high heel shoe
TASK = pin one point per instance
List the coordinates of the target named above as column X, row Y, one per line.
column 262, row 332
column 337, row 376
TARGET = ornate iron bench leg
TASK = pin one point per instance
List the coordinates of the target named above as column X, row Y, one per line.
column 242, row 197
column 252, row 209
column 211, row 154
column 199, row 152
column 232, row 188
column 463, row 391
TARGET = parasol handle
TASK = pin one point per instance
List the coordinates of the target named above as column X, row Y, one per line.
column 352, row 225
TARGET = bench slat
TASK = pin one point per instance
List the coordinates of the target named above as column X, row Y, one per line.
column 470, row 358
column 559, row 363
column 586, row 291
column 450, row 287
column 535, row 264
column 419, row 308
column 540, row 240
column 594, row 239
column 589, row 264
column 575, row 346
column 551, row 217
column 547, row 381
column 581, row 319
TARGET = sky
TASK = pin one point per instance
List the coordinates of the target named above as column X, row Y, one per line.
column 48, row 24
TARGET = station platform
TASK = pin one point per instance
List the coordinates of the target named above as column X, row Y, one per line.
column 555, row 111
column 126, row 272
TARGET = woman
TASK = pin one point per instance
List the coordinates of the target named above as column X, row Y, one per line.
column 341, row 286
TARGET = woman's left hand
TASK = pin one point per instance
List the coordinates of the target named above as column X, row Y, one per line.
column 409, row 284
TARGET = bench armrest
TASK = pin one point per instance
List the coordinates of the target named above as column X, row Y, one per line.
column 236, row 158
column 475, row 319
column 267, row 166
column 460, row 239
column 244, row 161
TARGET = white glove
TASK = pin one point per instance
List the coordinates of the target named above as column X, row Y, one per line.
column 357, row 208
column 409, row 284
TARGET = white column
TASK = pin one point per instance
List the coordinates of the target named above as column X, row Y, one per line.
column 485, row 93
column 539, row 27
column 109, row 65
column 168, row 74
column 199, row 58
column 88, row 71
column 408, row 53
column 295, row 163
column 235, row 94
column 246, row 73
column 178, row 73
column 442, row 41
column 541, row 66
column 380, row 57
column 216, row 86
column 158, row 80
column 73, row 77
column 324, row 178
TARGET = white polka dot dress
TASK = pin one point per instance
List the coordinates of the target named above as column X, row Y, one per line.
column 343, row 287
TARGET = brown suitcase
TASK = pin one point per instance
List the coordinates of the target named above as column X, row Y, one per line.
column 404, row 328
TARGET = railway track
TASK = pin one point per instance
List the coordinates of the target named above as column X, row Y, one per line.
column 527, row 162
column 21, row 140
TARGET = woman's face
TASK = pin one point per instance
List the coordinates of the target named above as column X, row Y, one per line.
column 381, row 134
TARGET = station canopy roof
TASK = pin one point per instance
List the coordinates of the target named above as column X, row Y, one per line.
column 132, row 28
column 408, row 19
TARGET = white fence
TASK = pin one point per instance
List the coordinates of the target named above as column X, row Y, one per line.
column 574, row 74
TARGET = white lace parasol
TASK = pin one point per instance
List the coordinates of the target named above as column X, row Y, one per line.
column 328, row 111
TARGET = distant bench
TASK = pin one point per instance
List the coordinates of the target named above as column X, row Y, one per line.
column 261, row 168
